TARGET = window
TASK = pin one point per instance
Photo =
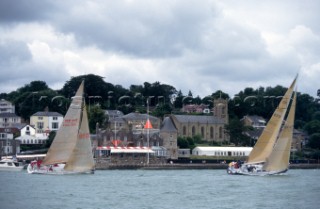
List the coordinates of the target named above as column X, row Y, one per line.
column 40, row 118
column 220, row 132
column 193, row 130
column 40, row 125
column 54, row 118
column 211, row 132
column 55, row 125
column 184, row 132
column 202, row 132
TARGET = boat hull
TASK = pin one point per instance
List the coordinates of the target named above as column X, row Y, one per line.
column 255, row 170
column 57, row 169
column 19, row 168
column 10, row 165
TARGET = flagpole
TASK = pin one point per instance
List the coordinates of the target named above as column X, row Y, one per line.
column 148, row 132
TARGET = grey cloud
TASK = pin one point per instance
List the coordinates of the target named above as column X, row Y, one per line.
column 138, row 29
column 12, row 11
column 18, row 68
column 13, row 55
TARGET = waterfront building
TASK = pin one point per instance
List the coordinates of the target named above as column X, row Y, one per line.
column 169, row 135
column 128, row 141
column 8, row 119
column 29, row 136
column 8, row 145
column 45, row 122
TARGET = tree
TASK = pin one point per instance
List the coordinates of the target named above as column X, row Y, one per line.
column 314, row 141
column 162, row 110
column 316, row 116
column 51, row 136
column 34, row 86
column 312, row 127
column 29, row 103
column 235, row 129
column 183, row 143
column 96, row 89
column 178, row 100
column 96, row 115
column 197, row 138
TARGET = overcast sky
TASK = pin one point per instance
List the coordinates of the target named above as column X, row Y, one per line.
column 197, row 45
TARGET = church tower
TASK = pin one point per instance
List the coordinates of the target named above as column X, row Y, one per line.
column 220, row 109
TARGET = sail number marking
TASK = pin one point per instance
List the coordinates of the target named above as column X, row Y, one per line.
column 70, row 122
column 84, row 136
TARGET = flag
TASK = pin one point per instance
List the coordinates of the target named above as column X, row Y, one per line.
column 148, row 125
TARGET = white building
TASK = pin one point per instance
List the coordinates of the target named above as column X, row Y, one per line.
column 45, row 122
column 28, row 136
column 9, row 119
column 6, row 106
column 222, row 151
column 8, row 145
column 41, row 124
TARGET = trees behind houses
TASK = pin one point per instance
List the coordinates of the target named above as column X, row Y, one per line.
column 163, row 99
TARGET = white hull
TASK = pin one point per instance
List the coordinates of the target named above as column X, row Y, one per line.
column 255, row 170
column 57, row 169
column 19, row 168
column 10, row 165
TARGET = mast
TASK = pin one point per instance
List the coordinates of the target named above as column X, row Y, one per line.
column 148, row 131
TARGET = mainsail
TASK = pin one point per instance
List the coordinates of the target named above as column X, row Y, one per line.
column 279, row 158
column 265, row 143
column 67, row 136
column 82, row 159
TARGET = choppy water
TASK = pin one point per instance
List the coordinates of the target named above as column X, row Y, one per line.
column 160, row 189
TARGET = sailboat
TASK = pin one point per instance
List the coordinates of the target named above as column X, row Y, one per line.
column 70, row 151
column 271, row 153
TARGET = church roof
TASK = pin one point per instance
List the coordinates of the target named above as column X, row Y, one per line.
column 199, row 119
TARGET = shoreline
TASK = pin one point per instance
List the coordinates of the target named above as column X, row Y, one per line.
column 181, row 166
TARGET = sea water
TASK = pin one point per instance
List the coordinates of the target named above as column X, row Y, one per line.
column 160, row 189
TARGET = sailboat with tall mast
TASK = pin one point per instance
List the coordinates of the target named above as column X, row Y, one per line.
column 271, row 153
column 71, row 150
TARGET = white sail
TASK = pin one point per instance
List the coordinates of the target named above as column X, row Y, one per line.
column 271, row 153
column 266, row 141
column 279, row 157
column 81, row 159
column 67, row 135
column 70, row 151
